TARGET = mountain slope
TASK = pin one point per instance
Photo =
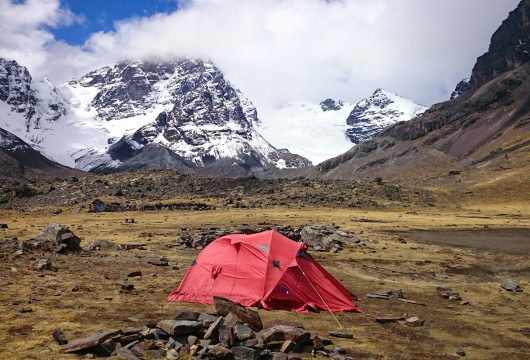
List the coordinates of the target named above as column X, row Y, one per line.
column 18, row 160
column 479, row 128
column 319, row 132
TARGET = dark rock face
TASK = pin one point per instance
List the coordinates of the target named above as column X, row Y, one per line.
column 331, row 105
column 509, row 47
column 461, row 87
column 15, row 88
column 18, row 90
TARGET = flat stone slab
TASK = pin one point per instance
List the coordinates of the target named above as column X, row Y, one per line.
column 224, row 307
column 340, row 335
column 390, row 319
column 87, row 342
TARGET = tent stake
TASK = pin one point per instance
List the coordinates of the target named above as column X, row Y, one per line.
column 321, row 298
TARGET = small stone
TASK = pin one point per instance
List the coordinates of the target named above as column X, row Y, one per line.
column 226, row 336
column 158, row 262
column 510, row 285
column 245, row 353
column 59, row 336
column 317, row 343
column 172, row 354
column 340, row 335
column 134, row 274
column 23, row 310
column 279, row 356
column 127, row 354
column 460, row 352
column 126, row 286
column 44, row 264
column 14, row 270
column 186, row 315
column 414, row 321
column 218, row 352
column 287, row 346
column 212, row 328
column 192, row 339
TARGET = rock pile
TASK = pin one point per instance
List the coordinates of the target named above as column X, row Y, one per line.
column 53, row 238
column 234, row 332
column 322, row 237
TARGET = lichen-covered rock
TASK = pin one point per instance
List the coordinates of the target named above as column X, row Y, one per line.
column 55, row 238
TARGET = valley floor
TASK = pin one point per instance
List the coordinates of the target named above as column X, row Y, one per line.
column 83, row 296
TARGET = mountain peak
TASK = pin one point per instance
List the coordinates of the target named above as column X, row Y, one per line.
column 331, row 105
column 378, row 111
column 509, row 46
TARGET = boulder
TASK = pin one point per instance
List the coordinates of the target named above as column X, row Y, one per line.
column 102, row 245
column 327, row 237
column 54, row 238
column 224, row 307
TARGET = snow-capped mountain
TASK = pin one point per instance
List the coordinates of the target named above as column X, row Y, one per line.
column 321, row 131
column 377, row 112
column 116, row 116
column 200, row 117
column 462, row 86
column 26, row 105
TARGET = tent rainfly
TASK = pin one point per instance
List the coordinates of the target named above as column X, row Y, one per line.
column 266, row 270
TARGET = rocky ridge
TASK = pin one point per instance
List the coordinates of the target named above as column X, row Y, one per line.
column 378, row 112
column 478, row 128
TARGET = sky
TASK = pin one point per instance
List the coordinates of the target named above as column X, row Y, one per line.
column 275, row 51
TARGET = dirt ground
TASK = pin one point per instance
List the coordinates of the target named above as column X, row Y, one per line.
column 83, row 296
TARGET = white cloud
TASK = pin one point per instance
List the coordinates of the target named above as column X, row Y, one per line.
column 281, row 50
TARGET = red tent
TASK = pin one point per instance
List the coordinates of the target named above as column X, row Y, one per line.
column 265, row 269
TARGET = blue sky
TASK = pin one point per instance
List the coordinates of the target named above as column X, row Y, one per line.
column 100, row 15
column 275, row 51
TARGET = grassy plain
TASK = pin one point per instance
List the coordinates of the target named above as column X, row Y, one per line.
column 390, row 259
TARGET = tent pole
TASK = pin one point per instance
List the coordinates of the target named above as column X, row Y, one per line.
column 321, row 298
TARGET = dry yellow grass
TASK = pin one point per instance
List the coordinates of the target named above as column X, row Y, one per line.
column 482, row 328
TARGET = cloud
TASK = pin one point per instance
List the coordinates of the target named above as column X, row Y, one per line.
column 282, row 50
